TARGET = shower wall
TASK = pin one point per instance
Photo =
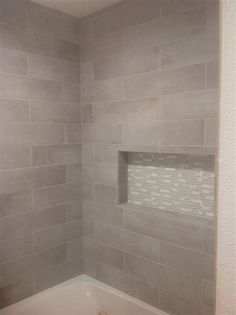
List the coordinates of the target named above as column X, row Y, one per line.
column 148, row 84
column 40, row 150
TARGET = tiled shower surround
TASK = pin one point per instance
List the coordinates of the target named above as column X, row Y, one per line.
column 140, row 76
column 178, row 183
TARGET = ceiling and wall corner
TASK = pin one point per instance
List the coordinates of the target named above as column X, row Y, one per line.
column 77, row 8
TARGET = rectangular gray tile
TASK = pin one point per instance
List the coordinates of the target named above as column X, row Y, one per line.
column 128, row 284
column 104, row 90
column 14, row 87
column 101, row 133
column 142, row 268
column 13, row 62
column 106, row 194
column 212, row 80
column 127, row 111
column 33, row 263
column 15, row 248
column 15, row 203
column 103, row 253
column 56, row 154
column 192, row 105
column 14, row 110
column 100, row 173
column 14, row 12
column 12, row 157
column 164, row 228
column 74, row 173
column 58, row 274
column 58, row 234
column 193, row 50
column 73, row 133
column 103, row 213
column 180, row 284
column 31, row 134
column 55, row 195
column 75, row 249
column 53, row 112
column 146, row 134
column 152, row 84
column 182, row 132
column 45, row 90
column 196, row 263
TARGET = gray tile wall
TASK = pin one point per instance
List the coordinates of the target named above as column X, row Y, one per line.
column 40, row 149
column 145, row 76
column 148, row 84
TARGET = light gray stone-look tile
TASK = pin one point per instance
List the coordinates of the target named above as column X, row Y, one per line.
column 58, row 274
column 180, row 284
column 101, row 133
column 106, row 194
column 31, row 134
column 128, row 284
column 127, row 111
column 14, row 110
column 196, row 263
column 141, row 133
column 100, row 173
column 103, row 213
column 144, row 269
column 75, row 249
column 58, row 234
column 54, row 195
column 56, row 154
column 103, row 253
column 209, row 293
column 210, row 132
column 212, row 75
column 54, row 112
column 192, row 105
column 163, row 31
column 182, row 132
column 177, row 80
column 105, row 90
column 73, row 173
column 194, row 50
column 13, row 203
column 177, row 305
column 33, row 263
column 15, row 248
column 12, row 157
column 14, row 12
column 13, row 62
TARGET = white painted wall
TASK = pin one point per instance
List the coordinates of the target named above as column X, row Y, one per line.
column 226, row 243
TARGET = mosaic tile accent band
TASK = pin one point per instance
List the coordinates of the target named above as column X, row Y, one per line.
column 177, row 183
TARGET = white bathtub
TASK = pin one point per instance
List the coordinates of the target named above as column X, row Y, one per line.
column 81, row 296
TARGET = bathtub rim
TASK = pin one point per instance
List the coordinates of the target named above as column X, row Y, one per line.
column 82, row 279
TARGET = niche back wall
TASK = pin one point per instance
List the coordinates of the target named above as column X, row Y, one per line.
column 148, row 84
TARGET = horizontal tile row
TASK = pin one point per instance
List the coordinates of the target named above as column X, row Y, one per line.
column 24, row 134
column 194, row 50
column 36, row 43
column 152, row 84
column 170, row 229
column 166, row 132
column 18, row 87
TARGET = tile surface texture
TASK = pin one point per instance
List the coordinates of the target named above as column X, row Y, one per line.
column 40, row 149
column 141, row 75
column 149, row 84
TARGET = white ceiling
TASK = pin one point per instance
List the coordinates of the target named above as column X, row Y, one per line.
column 77, row 8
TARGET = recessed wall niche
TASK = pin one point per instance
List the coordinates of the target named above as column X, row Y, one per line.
column 170, row 182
